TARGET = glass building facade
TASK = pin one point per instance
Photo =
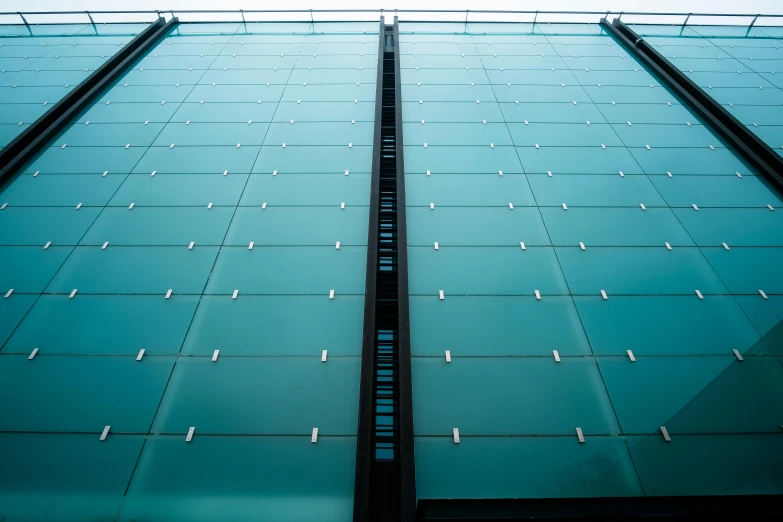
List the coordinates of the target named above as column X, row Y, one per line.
column 592, row 271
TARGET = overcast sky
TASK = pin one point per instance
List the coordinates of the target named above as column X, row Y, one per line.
column 706, row 6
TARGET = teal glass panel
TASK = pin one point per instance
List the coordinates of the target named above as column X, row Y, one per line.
column 215, row 397
column 599, row 63
column 637, row 113
column 470, row 160
column 538, row 397
column 708, row 464
column 135, row 270
column 46, row 398
column 206, row 134
column 294, row 226
column 145, row 93
column 39, row 225
column 667, row 325
column 159, row 226
column 441, row 111
column 476, row 133
column 543, row 93
column 13, row 113
column 662, row 135
column 307, row 189
column 333, row 92
column 313, row 160
column 225, row 112
column 594, row 191
column 563, row 134
column 461, row 76
column 578, row 160
column 716, row 191
column 618, row 94
column 10, row 94
column 161, row 77
column 681, row 394
column 442, row 62
column 301, row 481
column 524, row 467
column 29, row 269
column 615, row 78
column 766, row 315
column 497, row 271
column 467, row 190
column 486, row 326
column 747, row 270
column 325, row 111
column 551, row 113
column 659, row 160
column 289, row 270
column 604, row 227
column 85, row 160
column 639, row 271
column 104, row 325
column 201, row 160
column 129, row 113
column 109, row 135
column 180, row 190
column 12, row 311
column 221, row 323
column 220, row 93
column 65, row 477
column 734, row 226
column 447, row 92
column 320, row 133
column 477, row 226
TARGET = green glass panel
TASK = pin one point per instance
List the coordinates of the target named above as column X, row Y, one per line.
column 472, row 160
column 667, row 325
column 291, row 396
column 747, row 95
column 494, row 271
column 609, row 94
column 313, row 160
column 578, row 160
column 543, row 93
column 307, row 189
column 161, row 77
column 86, row 160
column 65, row 477
column 696, row 394
column 524, row 467
column 709, row 464
column 39, row 225
column 243, row 62
column 145, row 93
column 444, row 111
column 447, row 92
column 129, row 112
column 202, row 160
column 599, row 63
column 12, row 311
column 180, row 190
column 424, row 61
column 9, row 94
column 467, row 190
column 160, row 226
column 320, row 133
column 47, row 398
column 13, row 113
column 563, row 134
column 325, row 111
column 716, row 191
column 766, row 315
column 225, row 112
column 638, row 113
column 290, row 270
column 461, row 76
column 221, row 323
column 116, row 325
column 614, row 227
column 135, row 270
column 220, row 93
column 638, row 78
column 109, row 135
column 301, row 481
column 294, row 226
column 29, row 269
column 477, row 226
column 638, row 271
column 734, row 226
column 210, row 134
column 537, row 396
column 495, row 325
column 323, row 93
column 593, row 191
column 663, row 135
column 44, row 78
column 747, row 270
column 551, row 112
column 476, row 133
column 524, row 76
column 660, row 160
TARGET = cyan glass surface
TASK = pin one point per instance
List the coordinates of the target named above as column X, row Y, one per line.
column 213, row 166
column 615, row 187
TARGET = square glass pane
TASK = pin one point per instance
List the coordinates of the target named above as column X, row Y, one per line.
column 206, row 134
column 197, row 160
column 475, row 226
column 747, row 270
column 594, row 191
column 467, row 190
column 766, row 315
column 551, row 112
column 221, row 323
column 510, row 396
column 716, row 191
column 307, row 189
column 734, row 226
column 12, row 311
column 320, row 133
column 43, row 394
column 450, row 111
column 476, row 133
column 313, row 160
column 29, row 269
column 39, row 225
column 456, row 160
column 297, row 226
column 109, row 135
column 563, row 134
column 180, row 190
column 129, row 112
column 226, row 112
column 85, row 160
column 578, row 160
column 91, row 190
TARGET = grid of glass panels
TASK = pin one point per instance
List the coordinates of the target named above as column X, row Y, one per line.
column 190, row 255
column 741, row 68
column 587, row 264
column 39, row 64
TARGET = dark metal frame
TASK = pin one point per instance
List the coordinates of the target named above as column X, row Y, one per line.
column 25, row 146
column 744, row 141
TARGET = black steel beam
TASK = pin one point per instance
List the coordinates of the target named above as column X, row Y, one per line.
column 364, row 445
column 750, row 147
column 25, row 146
column 407, row 458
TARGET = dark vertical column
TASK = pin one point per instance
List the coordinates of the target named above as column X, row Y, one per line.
column 385, row 480
column 757, row 153
column 24, row 147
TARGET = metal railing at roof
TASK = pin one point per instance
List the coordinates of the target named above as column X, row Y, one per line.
column 439, row 15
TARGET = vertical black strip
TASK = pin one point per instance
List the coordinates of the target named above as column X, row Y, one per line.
column 757, row 153
column 364, row 450
column 407, row 457
column 24, row 147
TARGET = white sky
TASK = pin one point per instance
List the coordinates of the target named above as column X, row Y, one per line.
column 677, row 6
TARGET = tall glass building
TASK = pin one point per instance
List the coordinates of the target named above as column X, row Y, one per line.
column 396, row 270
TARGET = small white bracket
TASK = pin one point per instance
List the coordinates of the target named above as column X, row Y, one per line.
column 235, row 294
column 448, row 356
column 432, row 206
column 190, row 434
column 668, row 246
column 314, row 437
column 105, row 245
column 8, row 294
column 78, row 206
column 105, row 432
column 342, row 205
column 770, row 207
column 190, row 246
column 263, row 205
column 47, row 245
column 669, row 174
column 557, row 355
column 105, row 173
column 581, row 245
column 725, row 246
column 209, row 206
column 274, row 173
column 323, row 355
column 73, row 293
column 331, row 294
column 436, row 245
column 428, row 172
column 538, row 295
column 153, row 173
column 698, row 293
column 32, row 354
column 565, row 207
column 642, row 205
column 250, row 246
column 346, row 172
column 455, row 431
column 603, row 294
column 511, row 206
column 140, row 355
column 665, row 434
column 215, row 355
column 580, row 435
column 440, row 293
column 737, row 354
column 549, row 173
column 522, row 245
column 225, row 173
column 621, row 174
column 763, row 295
column 694, row 206
column 168, row 293
column 631, row 356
